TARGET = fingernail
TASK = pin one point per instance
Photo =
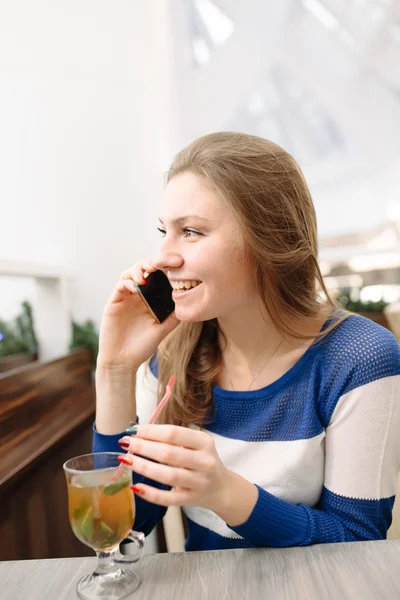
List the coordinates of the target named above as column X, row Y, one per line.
column 132, row 430
column 136, row 489
column 125, row 460
column 124, row 443
column 145, row 274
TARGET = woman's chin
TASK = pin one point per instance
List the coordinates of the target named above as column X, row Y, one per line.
column 193, row 316
column 187, row 319
column 188, row 316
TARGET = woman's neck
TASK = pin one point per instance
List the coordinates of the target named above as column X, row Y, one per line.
column 249, row 340
column 246, row 335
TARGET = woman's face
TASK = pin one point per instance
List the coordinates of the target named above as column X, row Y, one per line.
column 201, row 252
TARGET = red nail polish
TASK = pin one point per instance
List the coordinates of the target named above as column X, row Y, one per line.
column 135, row 489
column 123, row 444
column 125, row 460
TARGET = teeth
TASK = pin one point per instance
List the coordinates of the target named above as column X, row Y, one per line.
column 184, row 285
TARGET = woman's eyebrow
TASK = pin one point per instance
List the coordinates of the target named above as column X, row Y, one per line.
column 180, row 220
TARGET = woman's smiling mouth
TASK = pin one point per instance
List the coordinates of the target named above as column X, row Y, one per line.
column 184, row 284
column 183, row 287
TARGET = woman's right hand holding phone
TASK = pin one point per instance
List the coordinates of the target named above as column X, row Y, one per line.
column 129, row 335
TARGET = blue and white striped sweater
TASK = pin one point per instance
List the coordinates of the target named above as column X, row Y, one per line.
column 321, row 443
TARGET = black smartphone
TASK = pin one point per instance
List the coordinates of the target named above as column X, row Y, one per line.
column 156, row 293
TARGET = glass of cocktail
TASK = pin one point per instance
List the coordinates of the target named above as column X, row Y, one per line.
column 101, row 509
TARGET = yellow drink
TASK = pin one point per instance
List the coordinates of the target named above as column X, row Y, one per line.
column 101, row 511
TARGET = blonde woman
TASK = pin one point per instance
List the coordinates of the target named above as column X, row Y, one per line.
column 283, row 426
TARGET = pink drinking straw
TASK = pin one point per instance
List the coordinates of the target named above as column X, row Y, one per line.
column 154, row 416
column 167, row 395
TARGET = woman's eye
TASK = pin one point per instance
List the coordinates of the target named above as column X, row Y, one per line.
column 187, row 233
column 190, row 232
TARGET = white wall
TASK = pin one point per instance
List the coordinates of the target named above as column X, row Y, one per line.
column 14, row 291
column 88, row 127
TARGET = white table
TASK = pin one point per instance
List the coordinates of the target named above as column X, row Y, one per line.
column 351, row 571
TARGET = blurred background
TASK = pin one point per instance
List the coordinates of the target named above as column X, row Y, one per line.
column 96, row 96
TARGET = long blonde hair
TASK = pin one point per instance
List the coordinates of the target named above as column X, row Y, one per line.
column 266, row 191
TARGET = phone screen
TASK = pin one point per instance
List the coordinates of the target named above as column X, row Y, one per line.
column 156, row 293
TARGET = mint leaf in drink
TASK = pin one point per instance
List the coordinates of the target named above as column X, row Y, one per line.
column 79, row 513
column 112, row 488
column 106, row 530
column 86, row 525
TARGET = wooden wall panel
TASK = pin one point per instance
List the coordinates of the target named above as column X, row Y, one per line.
column 34, row 515
column 46, row 416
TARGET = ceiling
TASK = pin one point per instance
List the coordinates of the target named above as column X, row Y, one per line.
column 320, row 77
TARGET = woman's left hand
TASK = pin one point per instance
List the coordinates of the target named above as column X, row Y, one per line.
column 187, row 461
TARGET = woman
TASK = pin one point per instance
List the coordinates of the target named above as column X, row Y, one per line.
column 283, row 425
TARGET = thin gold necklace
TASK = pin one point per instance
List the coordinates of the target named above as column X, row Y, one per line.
column 259, row 372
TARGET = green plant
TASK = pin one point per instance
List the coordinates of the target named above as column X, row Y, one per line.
column 85, row 335
column 19, row 334
column 350, row 300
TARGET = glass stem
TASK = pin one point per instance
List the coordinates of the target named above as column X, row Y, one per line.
column 105, row 563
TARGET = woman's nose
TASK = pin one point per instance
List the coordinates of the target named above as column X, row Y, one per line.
column 166, row 260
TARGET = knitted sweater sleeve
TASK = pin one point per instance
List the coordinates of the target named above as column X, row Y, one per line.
column 362, row 455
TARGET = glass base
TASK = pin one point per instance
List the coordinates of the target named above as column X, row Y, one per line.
column 109, row 586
